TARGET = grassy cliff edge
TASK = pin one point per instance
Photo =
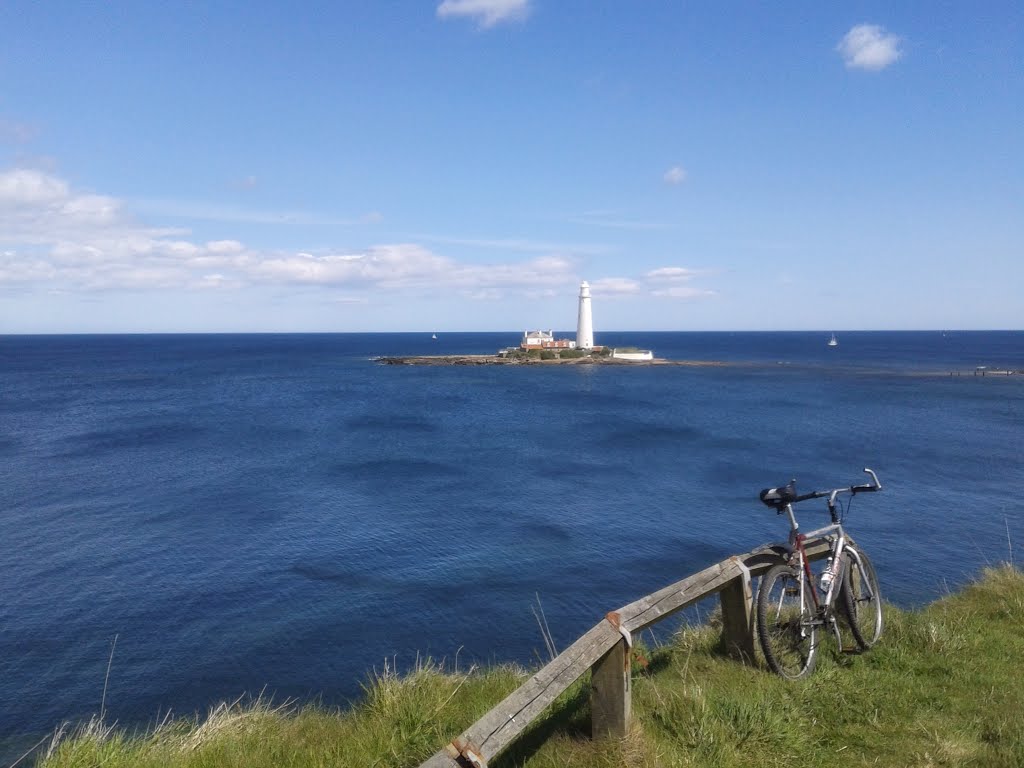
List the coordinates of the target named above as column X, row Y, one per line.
column 940, row 689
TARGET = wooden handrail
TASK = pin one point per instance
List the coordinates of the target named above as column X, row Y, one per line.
column 604, row 649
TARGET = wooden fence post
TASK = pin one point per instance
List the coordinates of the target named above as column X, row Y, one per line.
column 610, row 693
column 738, row 616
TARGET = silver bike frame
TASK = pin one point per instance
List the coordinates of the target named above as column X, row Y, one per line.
column 835, row 534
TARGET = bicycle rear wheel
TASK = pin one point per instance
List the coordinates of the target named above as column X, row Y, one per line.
column 785, row 622
column 861, row 599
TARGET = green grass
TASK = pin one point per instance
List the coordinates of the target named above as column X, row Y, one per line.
column 942, row 688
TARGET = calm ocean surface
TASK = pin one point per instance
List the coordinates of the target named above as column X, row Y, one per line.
column 249, row 512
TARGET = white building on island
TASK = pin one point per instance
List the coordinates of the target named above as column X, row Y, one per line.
column 636, row 355
column 544, row 340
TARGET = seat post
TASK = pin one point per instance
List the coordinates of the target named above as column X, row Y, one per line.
column 794, row 526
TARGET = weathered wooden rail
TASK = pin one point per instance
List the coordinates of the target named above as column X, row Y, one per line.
column 604, row 650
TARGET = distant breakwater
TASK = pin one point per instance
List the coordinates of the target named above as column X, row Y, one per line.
column 471, row 360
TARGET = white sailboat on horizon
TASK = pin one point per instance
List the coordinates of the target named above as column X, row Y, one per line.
column 833, row 342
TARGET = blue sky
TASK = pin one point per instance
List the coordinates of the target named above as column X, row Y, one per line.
column 464, row 164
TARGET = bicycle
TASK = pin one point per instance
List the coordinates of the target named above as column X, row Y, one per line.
column 790, row 609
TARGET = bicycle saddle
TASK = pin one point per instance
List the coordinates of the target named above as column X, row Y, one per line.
column 779, row 497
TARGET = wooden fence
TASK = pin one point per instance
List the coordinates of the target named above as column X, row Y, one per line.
column 605, row 651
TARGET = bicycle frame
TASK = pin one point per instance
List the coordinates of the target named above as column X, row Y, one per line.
column 838, row 544
column 836, row 535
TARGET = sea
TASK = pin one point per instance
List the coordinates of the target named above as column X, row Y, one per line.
column 187, row 519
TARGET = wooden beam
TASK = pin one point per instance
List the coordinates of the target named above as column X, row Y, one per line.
column 441, row 760
column 649, row 610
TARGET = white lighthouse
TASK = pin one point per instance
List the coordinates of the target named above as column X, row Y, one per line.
column 585, row 321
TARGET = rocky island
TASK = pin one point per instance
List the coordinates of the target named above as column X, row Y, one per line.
column 532, row 359
column 542, row 348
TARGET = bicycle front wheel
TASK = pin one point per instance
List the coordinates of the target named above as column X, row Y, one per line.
column 785, row 622
column 862, row 599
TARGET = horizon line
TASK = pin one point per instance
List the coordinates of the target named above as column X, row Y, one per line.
column 423, row 332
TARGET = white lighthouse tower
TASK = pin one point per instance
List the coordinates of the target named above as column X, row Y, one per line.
column 585, row 321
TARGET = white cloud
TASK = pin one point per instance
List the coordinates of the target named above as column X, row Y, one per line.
column 524, row 275
column 224, row 246
column 614, row 286
column 23, row 187
column 870, row 47
column 487, row 13
column 214, row 280
column 675, row 175
column 51, row 234
column 38, row 208
column 15, row 269
column 670, row 273
column 90, row 209
column 384, row 265
column 54, row 238
column 682, row 292
column 406, row 266
column 673, row 283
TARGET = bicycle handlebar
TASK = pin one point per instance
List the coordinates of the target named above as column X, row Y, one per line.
column 873, row 486
column 779, row 497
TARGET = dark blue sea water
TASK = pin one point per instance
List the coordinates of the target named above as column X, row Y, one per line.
column 282, row 513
